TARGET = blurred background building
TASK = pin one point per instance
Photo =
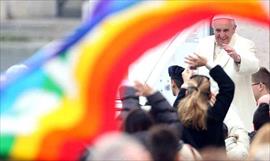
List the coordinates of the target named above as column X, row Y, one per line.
column 28, row 25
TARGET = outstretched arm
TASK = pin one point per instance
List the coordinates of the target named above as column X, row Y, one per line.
column 225, row 83
column 161, row 109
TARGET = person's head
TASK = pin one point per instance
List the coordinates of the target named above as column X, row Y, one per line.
column 118, row 146
column 214, row 153
column 163, row 143
column 224, row 28
column 192, row 109
column 261, row 83
column 261, row 116
column 175, row 72
column 260, row 144
column 137, row 120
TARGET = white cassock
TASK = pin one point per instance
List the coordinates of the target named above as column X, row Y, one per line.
column 244, row 104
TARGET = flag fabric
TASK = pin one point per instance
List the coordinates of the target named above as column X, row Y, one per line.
column 66, row 97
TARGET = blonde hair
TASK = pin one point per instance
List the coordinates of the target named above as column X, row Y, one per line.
column 192, row 110
column 261, row 140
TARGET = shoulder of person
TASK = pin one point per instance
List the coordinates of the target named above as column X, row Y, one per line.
column 265, row 99
column 189, row 153
column 263, row 108
column 243, row 39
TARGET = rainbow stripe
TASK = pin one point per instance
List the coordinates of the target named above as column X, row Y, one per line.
column 66, row 99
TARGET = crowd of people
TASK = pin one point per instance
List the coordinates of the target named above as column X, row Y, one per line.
column 220, row 113
column 221, row 110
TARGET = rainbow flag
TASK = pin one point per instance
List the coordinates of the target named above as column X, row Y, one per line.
column 66, row 97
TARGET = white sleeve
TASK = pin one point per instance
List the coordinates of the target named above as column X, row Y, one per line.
column 237, row 143
column 249, row 61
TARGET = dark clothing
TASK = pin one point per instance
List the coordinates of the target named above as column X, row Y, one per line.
column 161, row 109
column 260, row 118
column 213, row 136
column 180, row 95
column 251, row 136
column 129, row 100
column 164, row 113
column 176, row 103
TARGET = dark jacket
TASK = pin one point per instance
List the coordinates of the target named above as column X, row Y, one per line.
column 260, row 118
column 163, row 113
column 179, row 96
column 213, row 136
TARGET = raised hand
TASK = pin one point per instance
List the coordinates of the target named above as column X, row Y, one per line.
column 143, row 89
column 232, row 53
column 195, row 61
column 186, row 74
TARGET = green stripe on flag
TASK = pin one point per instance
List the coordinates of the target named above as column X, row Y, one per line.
column 6, row 143
column 51, row 86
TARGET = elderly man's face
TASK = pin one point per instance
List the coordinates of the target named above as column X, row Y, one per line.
column 223, row 30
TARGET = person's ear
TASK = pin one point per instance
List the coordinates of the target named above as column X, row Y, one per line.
column 173, row 86
column 261, row 86
column 173, row 83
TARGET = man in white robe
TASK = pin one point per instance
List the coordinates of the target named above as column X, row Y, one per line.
column 236, row 55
